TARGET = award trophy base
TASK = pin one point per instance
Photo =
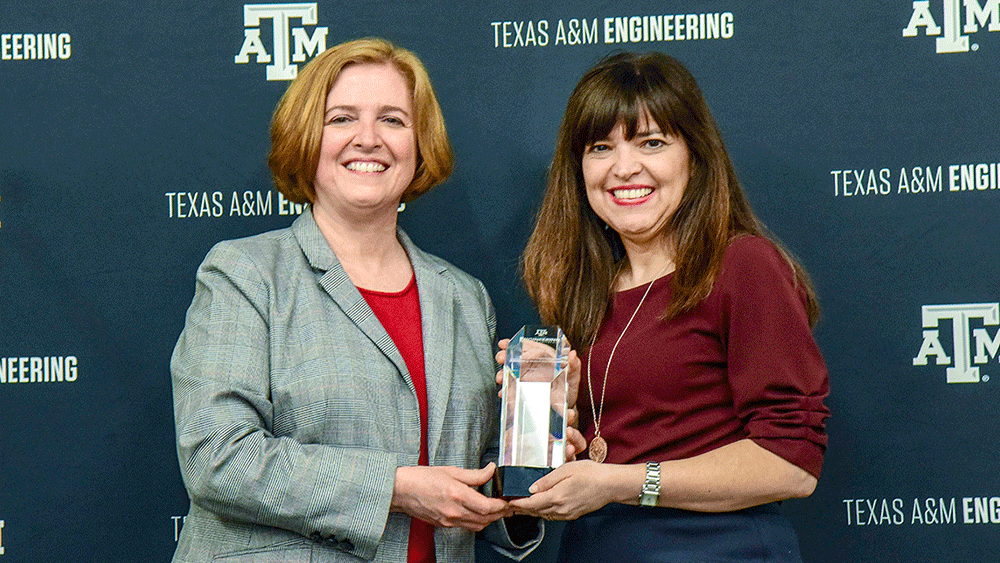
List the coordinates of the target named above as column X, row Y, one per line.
column 511, row 481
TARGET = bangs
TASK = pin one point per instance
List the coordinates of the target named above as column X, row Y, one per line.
column 624, row 93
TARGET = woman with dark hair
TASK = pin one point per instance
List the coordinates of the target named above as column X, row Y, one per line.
column 705, row 388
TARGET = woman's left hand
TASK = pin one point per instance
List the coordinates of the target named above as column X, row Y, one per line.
column 569, row 491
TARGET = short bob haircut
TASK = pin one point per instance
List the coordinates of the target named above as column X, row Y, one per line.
column 571, row 257
column 297, row 124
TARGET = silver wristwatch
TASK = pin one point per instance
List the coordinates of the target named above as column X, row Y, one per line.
column 651, row 488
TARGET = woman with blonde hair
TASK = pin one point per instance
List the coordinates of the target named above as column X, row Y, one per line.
column 333, row 385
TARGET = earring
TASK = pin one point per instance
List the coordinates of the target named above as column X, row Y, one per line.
column 402, row 206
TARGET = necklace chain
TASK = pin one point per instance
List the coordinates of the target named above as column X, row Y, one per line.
column 598, row 446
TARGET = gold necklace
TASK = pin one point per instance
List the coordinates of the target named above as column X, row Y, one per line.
column 598, row 449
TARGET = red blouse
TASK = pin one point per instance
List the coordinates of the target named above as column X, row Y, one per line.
column 742, row 364
column 399, row 314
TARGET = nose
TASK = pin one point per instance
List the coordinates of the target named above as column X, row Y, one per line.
column 367, row 136
column 626, row 162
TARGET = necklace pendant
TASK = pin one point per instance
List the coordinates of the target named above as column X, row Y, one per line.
column 598, row 449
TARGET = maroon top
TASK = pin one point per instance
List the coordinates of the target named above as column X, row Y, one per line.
column 741, row 364
column 399, row 314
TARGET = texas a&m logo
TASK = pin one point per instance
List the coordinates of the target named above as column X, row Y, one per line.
column 949, row 33
column 288, row 48
column 969, row 345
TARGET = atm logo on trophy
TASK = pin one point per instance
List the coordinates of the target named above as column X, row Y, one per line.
column 965, row 339
column 287, row 48
column 949, row 32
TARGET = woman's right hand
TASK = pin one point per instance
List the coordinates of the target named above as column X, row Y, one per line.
column 447, row 497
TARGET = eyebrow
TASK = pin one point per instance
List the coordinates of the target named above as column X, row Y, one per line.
column 649, row 133
column 381, row 109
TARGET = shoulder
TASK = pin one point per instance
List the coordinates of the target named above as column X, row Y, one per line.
column 755, row 270
column 261, row 248
column 253, row 259
column 758, row 276
column 447, row 280
column 463, row 282
column 753, row 257
column 751, row 248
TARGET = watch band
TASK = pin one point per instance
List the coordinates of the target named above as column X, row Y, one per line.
column 651, row 488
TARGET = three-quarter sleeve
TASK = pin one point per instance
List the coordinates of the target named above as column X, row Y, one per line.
column 776, row 371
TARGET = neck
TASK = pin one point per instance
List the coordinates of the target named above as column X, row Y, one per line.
column 646, row 263
column 368, row 250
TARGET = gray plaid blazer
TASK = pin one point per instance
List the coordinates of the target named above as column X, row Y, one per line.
column 294, row 408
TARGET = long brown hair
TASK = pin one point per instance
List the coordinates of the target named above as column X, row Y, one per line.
column 570, row 260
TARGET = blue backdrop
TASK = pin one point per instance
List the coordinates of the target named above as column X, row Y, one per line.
column 133, row 136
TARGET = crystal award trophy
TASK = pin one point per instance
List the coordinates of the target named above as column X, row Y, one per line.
column 533, row 408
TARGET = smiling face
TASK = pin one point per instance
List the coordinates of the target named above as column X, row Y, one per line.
column 635, row 185
column 368, row 153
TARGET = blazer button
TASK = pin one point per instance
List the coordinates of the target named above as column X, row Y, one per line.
column 332, row 541
column 316, row 537
column 346, row 545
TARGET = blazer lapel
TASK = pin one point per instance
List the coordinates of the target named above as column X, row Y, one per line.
column 338, row 285
column 437, row 309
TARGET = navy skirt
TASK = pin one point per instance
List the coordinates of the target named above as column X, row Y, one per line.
column 644, row 534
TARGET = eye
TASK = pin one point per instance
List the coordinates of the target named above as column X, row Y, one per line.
column 599, row 148
column 655, row 143
column 393, row 120
column 339, row 119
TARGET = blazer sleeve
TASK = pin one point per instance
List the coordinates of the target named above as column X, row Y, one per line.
column 231, row 462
